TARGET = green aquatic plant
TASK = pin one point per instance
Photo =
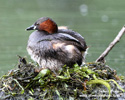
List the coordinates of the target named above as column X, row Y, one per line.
column 68, row 83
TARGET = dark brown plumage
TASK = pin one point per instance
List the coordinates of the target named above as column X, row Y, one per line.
column 52, row 48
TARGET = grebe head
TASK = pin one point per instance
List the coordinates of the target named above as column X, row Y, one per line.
column 44, row 24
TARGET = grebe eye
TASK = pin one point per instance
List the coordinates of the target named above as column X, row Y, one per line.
column 36, row 24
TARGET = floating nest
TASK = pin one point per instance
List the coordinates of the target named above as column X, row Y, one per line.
column 92, row 81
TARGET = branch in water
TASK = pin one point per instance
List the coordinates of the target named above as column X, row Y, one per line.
column 111, row 45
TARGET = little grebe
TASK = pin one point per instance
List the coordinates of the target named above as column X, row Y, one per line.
column 53, row 48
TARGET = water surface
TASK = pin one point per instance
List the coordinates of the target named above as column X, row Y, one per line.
column 98, row 21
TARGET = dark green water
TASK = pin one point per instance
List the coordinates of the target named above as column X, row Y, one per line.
column 98, row 21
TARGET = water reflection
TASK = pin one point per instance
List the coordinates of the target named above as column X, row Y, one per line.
column 114, row 22
column 122, row 56
column 84, row 9
column 105, row 18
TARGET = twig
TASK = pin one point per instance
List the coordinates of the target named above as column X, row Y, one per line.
column 111, row 45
